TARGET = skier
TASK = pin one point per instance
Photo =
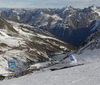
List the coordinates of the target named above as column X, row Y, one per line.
column 73, row 60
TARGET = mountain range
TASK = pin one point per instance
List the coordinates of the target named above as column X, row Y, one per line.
column 72, row 25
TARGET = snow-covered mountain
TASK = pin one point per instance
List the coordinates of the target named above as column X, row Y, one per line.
column 68, row 24
column 89, row 50
column 91, row 43
column 26, row 44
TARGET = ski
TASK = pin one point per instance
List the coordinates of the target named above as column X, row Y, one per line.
column 53, row 69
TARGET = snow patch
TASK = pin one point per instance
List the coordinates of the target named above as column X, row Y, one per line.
column 97, row 24
column 95, row 10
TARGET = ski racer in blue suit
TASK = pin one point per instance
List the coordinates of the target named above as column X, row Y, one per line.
column 73, row 60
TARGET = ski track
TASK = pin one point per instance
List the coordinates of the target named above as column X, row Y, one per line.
column 89, row 76
column 73, row 82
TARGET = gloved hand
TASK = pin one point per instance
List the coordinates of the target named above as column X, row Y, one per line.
column 64, row 58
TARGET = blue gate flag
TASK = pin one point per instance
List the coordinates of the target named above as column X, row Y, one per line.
column 11, row 64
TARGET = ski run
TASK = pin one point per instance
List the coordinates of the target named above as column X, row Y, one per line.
column 87, row 74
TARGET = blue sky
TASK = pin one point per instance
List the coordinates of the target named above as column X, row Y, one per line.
column 47, row 3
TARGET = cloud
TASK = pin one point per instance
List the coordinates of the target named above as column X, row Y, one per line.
column 47, row 3
column 95, row 2
column 79, row 0
column 84, row 1
column 12, row 4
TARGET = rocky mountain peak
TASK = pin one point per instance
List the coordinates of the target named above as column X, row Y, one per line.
column 93, row 8
column 68, row 7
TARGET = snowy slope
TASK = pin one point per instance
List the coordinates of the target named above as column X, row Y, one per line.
column 26, row 44
column 88, row 74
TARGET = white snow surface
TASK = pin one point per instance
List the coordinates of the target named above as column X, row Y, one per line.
column 83, row 75
column 96, row 25
column 87, row 74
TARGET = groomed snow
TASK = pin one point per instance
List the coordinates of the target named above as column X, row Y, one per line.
column 87, row 74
